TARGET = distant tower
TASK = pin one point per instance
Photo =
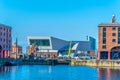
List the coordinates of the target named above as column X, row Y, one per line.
column 113, row 19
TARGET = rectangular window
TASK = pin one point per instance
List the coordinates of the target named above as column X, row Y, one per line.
column 113, row 28
column 113, row 40
column 113, row 34
column 104, row 34
column 104, row 41
column 104, row 29
column 40, row 42
column 104, row 47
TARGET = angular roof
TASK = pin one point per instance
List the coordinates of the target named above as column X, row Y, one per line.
column 5, row 25
column 80, row 46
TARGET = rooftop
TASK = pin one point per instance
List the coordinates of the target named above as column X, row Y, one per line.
column 5, row 25
column 113, row 23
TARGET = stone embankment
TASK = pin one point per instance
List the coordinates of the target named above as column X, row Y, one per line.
column 96, row 63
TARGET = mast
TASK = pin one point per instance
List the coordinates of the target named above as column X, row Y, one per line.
column 69, row 51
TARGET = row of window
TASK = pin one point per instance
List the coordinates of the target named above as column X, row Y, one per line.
column 3, row 40
column 5, row 29
column 113, row 40
column 114, row 28
column 7, row 35
column 6, row 46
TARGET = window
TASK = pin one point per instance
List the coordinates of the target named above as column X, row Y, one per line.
column 113, row 34
column 113, row 40
column 113, row 28
column 104, row 41
column 104, row 29
column 104, row 47
column 4, row 40
column 4, row 29
column 40, row 42
column 104, row 34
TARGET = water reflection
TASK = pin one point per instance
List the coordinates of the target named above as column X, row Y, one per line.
column 109, row 73
column 49, row 69
column 5, row 69
column 8, row 68
column 60, row 72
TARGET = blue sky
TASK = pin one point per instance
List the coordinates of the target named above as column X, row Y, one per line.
column 65, row 19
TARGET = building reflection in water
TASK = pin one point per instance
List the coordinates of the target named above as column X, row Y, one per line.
column 49, row 69
column 8, row 68
column 109, row 73
column 5, row 69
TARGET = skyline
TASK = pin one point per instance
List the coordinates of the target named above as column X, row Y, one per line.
column 68, row 20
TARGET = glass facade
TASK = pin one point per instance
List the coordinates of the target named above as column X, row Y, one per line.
column 40, row 42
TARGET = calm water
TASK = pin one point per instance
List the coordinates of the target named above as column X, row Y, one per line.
column 60, row 72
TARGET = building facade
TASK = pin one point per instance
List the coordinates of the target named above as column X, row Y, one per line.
column 5, row 41
column 16, row 51
column 45, row 46
column 52, row 47
column 109, row 40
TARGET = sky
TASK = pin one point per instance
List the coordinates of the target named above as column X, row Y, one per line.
column 64, row 19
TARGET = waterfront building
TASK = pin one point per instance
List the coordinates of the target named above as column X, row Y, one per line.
column 51, row 47
column 92, row 42
column 5, row 41
column 92, row 45
column 46, row 46
column 16, row 50
column 78, row 48
column 109, row 40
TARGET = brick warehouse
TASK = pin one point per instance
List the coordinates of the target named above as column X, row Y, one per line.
column 109, row 40
column 5, row 41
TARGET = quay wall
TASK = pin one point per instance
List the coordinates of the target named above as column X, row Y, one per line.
column 96, row 63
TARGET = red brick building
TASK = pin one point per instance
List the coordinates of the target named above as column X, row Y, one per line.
column 109, row 40
column 16, row 50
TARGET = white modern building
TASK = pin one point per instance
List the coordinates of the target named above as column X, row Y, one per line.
column 45, row 45
column 51, row 46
